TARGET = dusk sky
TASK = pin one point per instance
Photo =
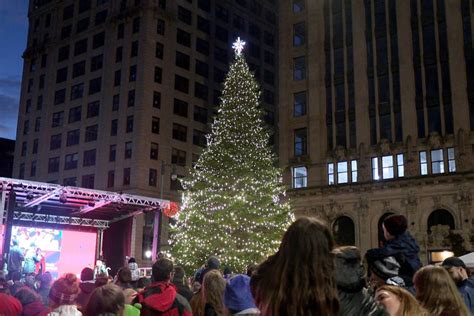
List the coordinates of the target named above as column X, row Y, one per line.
column 13, row 32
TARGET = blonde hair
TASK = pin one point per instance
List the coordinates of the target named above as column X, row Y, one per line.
column 437, row 293
column 409, row 304
column 213, row 287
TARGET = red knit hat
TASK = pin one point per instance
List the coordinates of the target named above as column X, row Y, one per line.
column 9, row 305
column 395, row 224
column 65, row 290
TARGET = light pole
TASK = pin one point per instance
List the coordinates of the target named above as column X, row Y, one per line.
column 155, row 248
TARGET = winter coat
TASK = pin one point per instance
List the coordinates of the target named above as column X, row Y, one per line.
column 133, row 266
column 14, row 259
column 43, row 292
column 405, row 250
column 183, row 290
column 466, row 288
column 85, row 293
column 65, row 310
column 35, row 308
column 161, row 298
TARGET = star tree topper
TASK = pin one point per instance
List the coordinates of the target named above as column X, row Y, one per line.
column 238, row 46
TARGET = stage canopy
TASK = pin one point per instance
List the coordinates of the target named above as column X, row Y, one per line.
column 48, row 203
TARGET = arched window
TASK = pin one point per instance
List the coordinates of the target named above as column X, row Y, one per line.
column 380, row 229
column 440, row 217
column 343, row 230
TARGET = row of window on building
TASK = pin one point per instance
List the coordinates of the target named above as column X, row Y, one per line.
column 437, row 161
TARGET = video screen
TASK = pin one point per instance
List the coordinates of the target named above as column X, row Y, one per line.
column 56, row 251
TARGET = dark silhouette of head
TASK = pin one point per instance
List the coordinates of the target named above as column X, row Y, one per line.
column 162, row 269
column 87, row 274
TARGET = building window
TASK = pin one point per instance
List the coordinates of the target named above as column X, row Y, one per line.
column 180, row 108
column 203, row 24
column 159, row 50
column 126, row 176
column 199, row 138
column 63, row 53
column 128, row 150
column 120, row 31
column 180, row 83
column 179, row 132
column 131, row 98
column 354, row 171
column 33, row 169
column 58, row 119
column 89, row 158
column 61, row 75
column 97, row 62
column 136, row 25
column 134, row 50
column 117, row 78
column 299, row 68
column 21, row 173
column 112, row 152
column 110, row 179
column 71, row 161
column 77, row 91
column 73, row 137
column 300, row 142
column 93, row 109
column 299, row 106
column 88, row 181
column 129, row 124
column 200, row 114
column 53, row 165
column 35, row 146
column 24, row 147
column 451, row 160
column 202, row 46
column 201, row 91
column 299, row 34
column 91, row 133
column 156, row 99
column 118, row 54
column 300, row 177
column 95, row 85
column 114, row 127
column 387, row 167
column 152, row 175
column 331, row 178
column 185, row 15
column 400, row 166
column 55, row 142
column 39, row 101
column 184, row 38
column 37, row 124
column 132, row 76
column 80, row 47
column 59, row 96
column 71, row 181
column 160, row 27
column 155, row 125
column 342, row 172
column 339, row 172
column 423, row 163
column 437, row 161
column 182, row 60
column 375, row 168
column 154, row 151
column 158, row 75
column 202, row 68
column 298, row 5
column 178, row 157
column 79, row 69
column 98, row 40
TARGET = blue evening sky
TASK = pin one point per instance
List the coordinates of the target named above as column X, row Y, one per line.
column 13, row 32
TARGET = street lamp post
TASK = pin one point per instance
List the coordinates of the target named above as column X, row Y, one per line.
column 155, row 248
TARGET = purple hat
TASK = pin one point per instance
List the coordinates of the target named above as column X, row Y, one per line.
column 237, row 296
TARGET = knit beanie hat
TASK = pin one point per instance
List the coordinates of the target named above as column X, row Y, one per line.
column 237, row 296
column 395, row 224
column 65, row 290
column 132, row 260
column 386, row 268
column 9, row 305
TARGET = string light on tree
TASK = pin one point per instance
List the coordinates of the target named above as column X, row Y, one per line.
column 232, row 203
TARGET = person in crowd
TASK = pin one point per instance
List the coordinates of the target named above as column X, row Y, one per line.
column 100, row 268
column 101, row 279
column 238, row 299
column 458, row 272
column 105, row 300
column 196, row 287
column 63, row 296
column 130, row 295
column 227, row 273
column 87, row 286
column 142, row 283
column 15, row 259
column 399, row 244
column 251, row 268
column 133, row 266
column 29, row 264
column 16, row 282
column 437, row 293
column 197, row 303
column 161, row 297
column 31, row 302
column 213, row 263
column 40, row 262
column 30, row 281
column 124, row 278
column 397, row 301
column 9, row 305
column 213, row 287
column 298, row 279
column 384, row 271
column 179, row 280
column 44, row 286
column 354, row 298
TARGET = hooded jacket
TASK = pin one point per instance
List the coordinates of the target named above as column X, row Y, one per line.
column 405, row 250
column 354, row 299
column 161, row 298
column 86, row 290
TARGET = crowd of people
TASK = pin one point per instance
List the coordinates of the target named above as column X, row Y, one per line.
column 309, row 275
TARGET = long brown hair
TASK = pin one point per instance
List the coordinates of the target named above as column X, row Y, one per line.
column 437, row 292
column 213, row 287
column 108, row 298
column 298, row 280
column 409, row 304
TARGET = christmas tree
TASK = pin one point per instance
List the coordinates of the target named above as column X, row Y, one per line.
column 232, row 205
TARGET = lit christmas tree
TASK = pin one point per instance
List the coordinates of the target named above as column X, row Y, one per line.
column 231, row 202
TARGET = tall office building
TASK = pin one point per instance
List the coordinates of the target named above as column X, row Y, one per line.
column 377, row 116
column 113, row 88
